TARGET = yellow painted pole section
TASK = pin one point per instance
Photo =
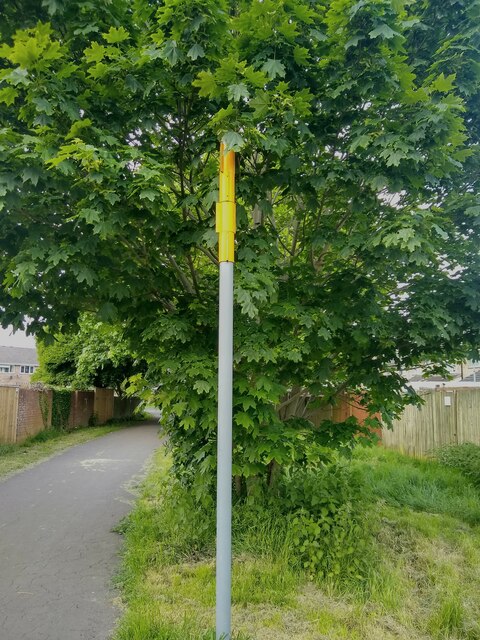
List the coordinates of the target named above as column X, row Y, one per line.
column 226, row 208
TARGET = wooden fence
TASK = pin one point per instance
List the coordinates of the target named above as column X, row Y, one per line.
column 448, row 416
column 346, row 407
column 26, row 412
column 8, row 414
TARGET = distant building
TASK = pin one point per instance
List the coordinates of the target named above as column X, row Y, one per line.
column 466, row 374
column 17, row 365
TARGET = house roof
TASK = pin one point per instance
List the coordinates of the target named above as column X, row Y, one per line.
column 18, row 355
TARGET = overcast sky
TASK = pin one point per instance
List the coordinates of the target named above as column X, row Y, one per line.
column 17, row 339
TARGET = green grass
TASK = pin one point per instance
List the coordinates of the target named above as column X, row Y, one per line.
column 423, row 584
column 464, row 457
column 14, row 457
column 422, row 485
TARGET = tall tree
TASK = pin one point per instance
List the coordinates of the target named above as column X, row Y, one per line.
column 357, row 127
column 97, row 355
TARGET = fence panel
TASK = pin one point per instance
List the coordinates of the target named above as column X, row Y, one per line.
column 103, row 405
column 124, row 407
column 8, row 414
column 468, row 415
column 448, row 416
column 345, row 408
column 81, row 409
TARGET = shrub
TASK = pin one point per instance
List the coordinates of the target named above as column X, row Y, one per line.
column 327, row 508
column 465, row 457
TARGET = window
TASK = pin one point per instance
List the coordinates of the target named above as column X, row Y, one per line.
column 5, row 368
column 26, row 368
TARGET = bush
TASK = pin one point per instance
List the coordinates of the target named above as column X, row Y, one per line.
column 327, row 508
column 315, row 524
column 464, row 457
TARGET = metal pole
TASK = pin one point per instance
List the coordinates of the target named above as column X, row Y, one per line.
column 224, row 452
column 225, row 226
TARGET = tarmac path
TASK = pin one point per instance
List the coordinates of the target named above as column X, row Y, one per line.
column 58, row 553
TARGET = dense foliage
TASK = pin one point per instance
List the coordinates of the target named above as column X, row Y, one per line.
column 419, row 538
column 96, row 356
column 357, row 127
column 465, row 457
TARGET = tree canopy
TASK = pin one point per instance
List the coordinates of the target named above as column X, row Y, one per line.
column 97, row 355
column 357, row 127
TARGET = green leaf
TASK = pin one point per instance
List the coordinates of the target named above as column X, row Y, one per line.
column 88, row 28
column 260, row 103
column 383, row 31
column 233, row 141
column 77, row 127
column 196, row 51
column 274, row 68
column 206, row 84
column 107, row 312
column 324, row 333
column 148, row 194
column 17, row 76
column 84, row 274
column 248, row 403
column 115, row 35
column 245, row 299
column 100, row 70
column 43, row 105
column 473, row 211
column 170, row 52
column 378, row 182
column 238, row 91
column 202, row 386
column 95, row 53
column 52, row 6
column 443, row 84
column 318, row 35
column 440, row 232
column 353, row 42
column 188, row 422
column 91, row 216
column 279, row 145
column 361, row 141
column 8, row 95
column 244, row 420
column 301, row 56
column 255, row 78
column 31, row 174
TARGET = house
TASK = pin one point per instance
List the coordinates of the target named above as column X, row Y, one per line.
column 17, row 365
column 465, row 374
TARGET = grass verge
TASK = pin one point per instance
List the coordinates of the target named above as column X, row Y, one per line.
column 14, row 457
column 423, row 583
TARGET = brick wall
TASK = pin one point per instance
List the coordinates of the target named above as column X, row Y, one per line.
column 21, row 412
column 30, row 420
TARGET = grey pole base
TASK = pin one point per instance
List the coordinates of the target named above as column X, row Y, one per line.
column 224, row 454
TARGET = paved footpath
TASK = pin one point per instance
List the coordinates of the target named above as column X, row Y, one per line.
column 58, row 553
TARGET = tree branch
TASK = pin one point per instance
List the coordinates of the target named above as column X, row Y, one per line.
column 194, row 275
column 181, row 276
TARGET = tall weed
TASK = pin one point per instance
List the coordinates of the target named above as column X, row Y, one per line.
column 464, row 457
column 327, row 511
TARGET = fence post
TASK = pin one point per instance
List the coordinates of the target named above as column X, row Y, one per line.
column 15, row 414
column 456, row 400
